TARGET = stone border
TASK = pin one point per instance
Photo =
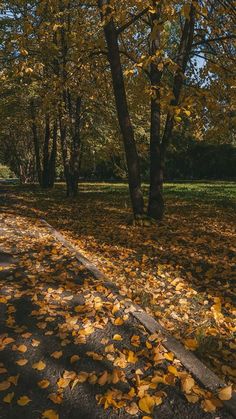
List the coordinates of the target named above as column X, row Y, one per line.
column 202, row 373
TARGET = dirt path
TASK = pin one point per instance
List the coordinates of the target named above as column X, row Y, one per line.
column 69, row 348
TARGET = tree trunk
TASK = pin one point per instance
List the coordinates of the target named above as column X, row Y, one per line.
column 156, row 201
column 36, row 142
column 45, row 182
column 159, row 145
column 53, row 156
column 123, row 112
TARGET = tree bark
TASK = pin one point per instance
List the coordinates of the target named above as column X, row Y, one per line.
column 45, row 166
column 132, row 158
column 36, row 142
column 53, row 156
column 159, row 145
column 156, row 201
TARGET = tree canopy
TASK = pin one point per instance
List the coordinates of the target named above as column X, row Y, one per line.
column 110, row 86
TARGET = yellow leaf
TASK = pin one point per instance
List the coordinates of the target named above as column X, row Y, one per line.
column 191, row 344
column 50, row 414
column 146, row 404
column 43, row 383
column 14, row 379
column 132, row 409
column 173, row 371
column 22, row 348
column 103, row 379
column 57, row 354
column 35, row 343
column 74, row 358
column 63, row 383
column 169, row 356
column 22, row 362
column 209, row 405
column 82, row 377
column 4, row 385
column 187, row 384
column 55, row 398
column 192, row 398
column 6, row 341
column 225, row 393
column 135, row 340
column 117, row 337
column 23, row 401
column 26, row 335
column 132, row 358
column 118, row 321
column 8, row 398
column 187, row 113
column 177, row 118
column 39, row 366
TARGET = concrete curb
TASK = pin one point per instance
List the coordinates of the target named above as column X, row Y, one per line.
column 202, row 373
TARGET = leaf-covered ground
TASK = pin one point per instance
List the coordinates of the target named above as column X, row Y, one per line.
column 181, row 271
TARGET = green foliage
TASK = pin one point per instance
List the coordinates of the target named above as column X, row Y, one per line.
column 5, row 172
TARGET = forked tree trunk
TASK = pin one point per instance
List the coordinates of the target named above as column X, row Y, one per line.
column 123, row 111
column 159, row 145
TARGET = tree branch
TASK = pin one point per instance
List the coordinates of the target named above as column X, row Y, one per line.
column 131, row 21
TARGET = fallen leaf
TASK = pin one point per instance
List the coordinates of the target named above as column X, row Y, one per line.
column 14, row 379
column 8, row 398
column 55, row 398
column 35, row 343
column 187, row 383
column 74, row 359
column 192, row 398
column 43, row 383
column 23, row 401
column 39, row 366
column 103, row 379
column 63, row 383
column 191, row 344
column 117, row 337
column 132, row 409
column 4, row 385
column 146, row 404
column 225, row 393
column 56, row 354
column 50, row 414
column 22, row 362
column 22, row 348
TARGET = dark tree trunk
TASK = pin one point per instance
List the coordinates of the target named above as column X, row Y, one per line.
column 45, row 182
column 53, row 156
column 132, row 158
column 156, row 201
column 49, row 157
column 36, row 142
column 159, row 145
column 73, row 175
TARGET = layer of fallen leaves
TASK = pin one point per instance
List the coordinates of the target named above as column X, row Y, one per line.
column 149, row 267
column 181, row 271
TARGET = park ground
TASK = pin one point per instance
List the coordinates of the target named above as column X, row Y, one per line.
column 181, row 271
